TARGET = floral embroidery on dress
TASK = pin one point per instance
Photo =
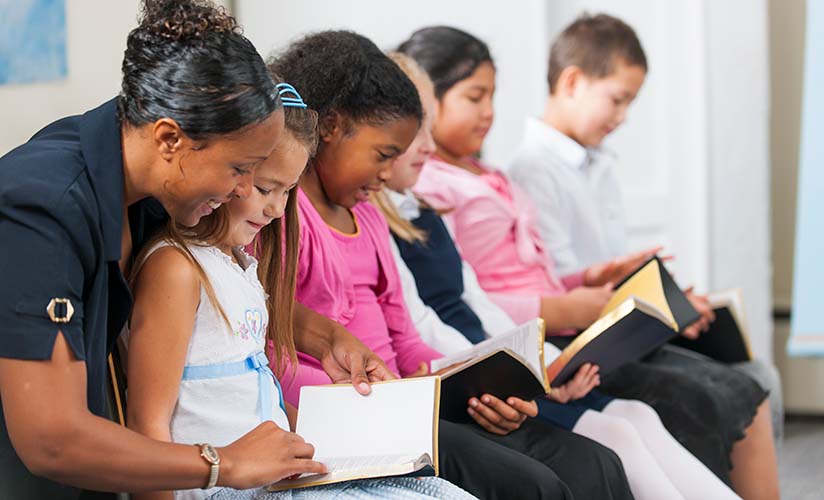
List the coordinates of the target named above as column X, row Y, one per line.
column 253, row 326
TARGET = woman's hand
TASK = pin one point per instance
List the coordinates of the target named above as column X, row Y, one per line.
column 349, row 360
column 585, row 379
column 500, row 417
column 265, row 455
column 617, row 269
column 342, row 356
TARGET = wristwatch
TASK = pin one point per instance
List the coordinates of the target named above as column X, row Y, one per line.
column 209, row 453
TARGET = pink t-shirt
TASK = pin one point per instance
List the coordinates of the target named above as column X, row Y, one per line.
column 496, row 231
column 352, row 279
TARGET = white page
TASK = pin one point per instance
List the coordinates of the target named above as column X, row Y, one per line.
column 525, row 341
column 397, row 418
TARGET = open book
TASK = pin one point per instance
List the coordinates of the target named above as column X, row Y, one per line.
column 727, row 340
column 391, row 432
column 508, row 365
column 646, row 310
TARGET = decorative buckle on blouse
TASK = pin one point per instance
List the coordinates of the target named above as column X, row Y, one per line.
column 60, row 310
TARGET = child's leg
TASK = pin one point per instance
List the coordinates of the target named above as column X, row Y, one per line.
column 769, row 379
column 590, row 469
column 493, row 471
column 646, row 478
column 692, row 479
column 754, row 472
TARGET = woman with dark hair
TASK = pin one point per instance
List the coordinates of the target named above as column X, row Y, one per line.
column 197, row 112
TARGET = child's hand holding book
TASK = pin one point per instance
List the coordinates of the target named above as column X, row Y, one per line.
column 585, row 380
column 499, row 417
column 701, row 303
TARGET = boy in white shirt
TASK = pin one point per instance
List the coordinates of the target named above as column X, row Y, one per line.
column 596, row 68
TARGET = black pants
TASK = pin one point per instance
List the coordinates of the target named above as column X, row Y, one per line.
column 538, row 461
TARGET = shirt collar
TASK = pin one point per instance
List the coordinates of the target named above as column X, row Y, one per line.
column 102, row 150
column 408, row 206
column 568, row 151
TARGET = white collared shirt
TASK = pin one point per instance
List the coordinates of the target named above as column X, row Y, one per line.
column 576, row 192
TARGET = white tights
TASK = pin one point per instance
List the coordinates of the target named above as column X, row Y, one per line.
column 657, row 466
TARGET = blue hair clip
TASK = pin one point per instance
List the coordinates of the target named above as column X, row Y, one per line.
column 294, row 102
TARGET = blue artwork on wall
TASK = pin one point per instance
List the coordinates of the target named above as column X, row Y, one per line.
column 32, row 40
column 807, row 323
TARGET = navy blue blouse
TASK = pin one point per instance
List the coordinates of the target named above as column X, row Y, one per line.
column 437, row 268
column 61, row 223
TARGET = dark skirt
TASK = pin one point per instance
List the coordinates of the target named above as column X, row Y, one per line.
column 704, row 404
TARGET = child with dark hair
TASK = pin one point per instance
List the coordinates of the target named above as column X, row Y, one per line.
column 657, row 466
column 202, row 320
column 369, row 113
column 196, row 113
column 495, row 228
column 596, row 68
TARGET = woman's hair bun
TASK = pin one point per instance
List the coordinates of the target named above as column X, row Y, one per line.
column 181, row 20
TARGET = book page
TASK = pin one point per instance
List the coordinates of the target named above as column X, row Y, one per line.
column 525, row 341
column 338, row 464
column 731, row 298
column 646, row 285
column 398, row 417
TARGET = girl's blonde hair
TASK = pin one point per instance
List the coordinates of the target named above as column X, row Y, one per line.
column 276, row 248
column 399, row 226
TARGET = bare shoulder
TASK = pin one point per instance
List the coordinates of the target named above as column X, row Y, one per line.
column 168, row 268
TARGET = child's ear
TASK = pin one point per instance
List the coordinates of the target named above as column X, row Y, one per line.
column 330, row 126
column 568, row 81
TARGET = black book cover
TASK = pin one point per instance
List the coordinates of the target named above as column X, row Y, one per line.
column 723, row 342
column 499, row 374
column 629, row 339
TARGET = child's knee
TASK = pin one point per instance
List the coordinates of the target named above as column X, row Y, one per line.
column 640, row 414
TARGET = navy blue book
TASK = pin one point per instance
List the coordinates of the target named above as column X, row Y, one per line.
column 647, row 310
column 727, row 339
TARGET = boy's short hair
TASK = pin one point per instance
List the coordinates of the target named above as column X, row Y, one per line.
column 595, row 44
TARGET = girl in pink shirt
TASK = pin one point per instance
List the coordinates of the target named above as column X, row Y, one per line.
column 369, row 112
column 715, row 411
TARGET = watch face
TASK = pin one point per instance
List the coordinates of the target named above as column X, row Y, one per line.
column 209, row 453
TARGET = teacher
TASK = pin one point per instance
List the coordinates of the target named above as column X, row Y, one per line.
column 197, row 113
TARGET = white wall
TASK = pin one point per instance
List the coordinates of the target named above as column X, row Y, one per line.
column 738, row 129
column 96, row 34
column 516, row 36
column 95, row 41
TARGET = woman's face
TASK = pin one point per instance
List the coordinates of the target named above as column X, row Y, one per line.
column 351, row 164
column 204, row 175
column 274, row 179
column 407, row 167
column 465, row 113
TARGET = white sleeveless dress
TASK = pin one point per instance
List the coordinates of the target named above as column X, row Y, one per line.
column 217, row 405
column 225, row 392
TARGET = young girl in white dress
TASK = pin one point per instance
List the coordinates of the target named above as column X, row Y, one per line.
column 197, row 367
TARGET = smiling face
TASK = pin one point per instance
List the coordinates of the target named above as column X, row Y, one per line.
column 274, row 178
column 465, row 114
column 201, row 175
column 599, row 105
column 408, row 166
column 352, row 164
